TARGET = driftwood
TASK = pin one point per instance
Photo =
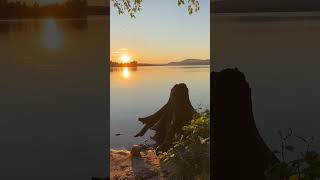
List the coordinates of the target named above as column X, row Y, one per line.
column 170, row 119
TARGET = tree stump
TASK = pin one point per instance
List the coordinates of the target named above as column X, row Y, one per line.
column 239, row 152
column 170, row 119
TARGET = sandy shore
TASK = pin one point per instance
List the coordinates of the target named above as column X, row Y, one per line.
column 125, row 166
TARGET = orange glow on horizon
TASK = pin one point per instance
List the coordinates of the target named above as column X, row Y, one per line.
column 122, row 55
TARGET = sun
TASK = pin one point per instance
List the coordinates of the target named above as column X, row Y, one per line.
column 125, row 58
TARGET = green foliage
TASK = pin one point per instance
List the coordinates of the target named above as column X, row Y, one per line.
column 191, row 152
column 133, row 6
column 127, row 6
column 193, row 5
column 305, row 167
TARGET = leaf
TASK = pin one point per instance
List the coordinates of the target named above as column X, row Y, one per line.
column 297, row 162
column 280, row 171
column 311, row 157
column 301, row 138
column 290, row 148
column 316, row 160
column 294, row 177
column 205, row 140
column 276, row 152
column 280, row 134
column 313, row 171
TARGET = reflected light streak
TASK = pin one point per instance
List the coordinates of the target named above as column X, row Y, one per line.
column 51, row 35
column 125, row 72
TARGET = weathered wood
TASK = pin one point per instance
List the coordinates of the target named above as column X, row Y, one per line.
column 170, row 119
column 239, row 152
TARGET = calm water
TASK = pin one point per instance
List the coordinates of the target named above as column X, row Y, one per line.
column 53, row 120
column 142, row 91
column 280, row 58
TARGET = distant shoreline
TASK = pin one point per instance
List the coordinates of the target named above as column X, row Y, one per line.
column 62, row 19
column 52, row 17
column 63, row 11
column 265, row 6
column 160, row 65
column 270, row 14
column 266, row 16
column 186, row 62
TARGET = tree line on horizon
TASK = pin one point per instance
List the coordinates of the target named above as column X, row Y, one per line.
column 19, row 9
column 252, row 6
column 129, row 64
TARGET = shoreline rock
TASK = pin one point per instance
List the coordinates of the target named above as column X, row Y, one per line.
column 136, row 150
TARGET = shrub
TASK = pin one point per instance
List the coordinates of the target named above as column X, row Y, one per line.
column 305, row 167
column 190, row 156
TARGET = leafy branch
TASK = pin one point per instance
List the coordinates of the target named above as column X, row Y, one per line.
column 132, row 7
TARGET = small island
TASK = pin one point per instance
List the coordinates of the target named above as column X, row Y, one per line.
column 68, row 9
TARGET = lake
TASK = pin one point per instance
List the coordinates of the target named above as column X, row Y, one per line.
column 140, row 92
column 54, row 87
column 279, row 54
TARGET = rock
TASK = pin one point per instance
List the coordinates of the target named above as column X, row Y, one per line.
column 136, row 150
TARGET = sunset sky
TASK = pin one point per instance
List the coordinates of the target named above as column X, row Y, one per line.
column 161, row 33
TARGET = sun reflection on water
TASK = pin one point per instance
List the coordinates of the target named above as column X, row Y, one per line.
column 51, row 34
column 125, row 72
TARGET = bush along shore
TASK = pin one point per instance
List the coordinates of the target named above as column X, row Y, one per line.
column 306, row 165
